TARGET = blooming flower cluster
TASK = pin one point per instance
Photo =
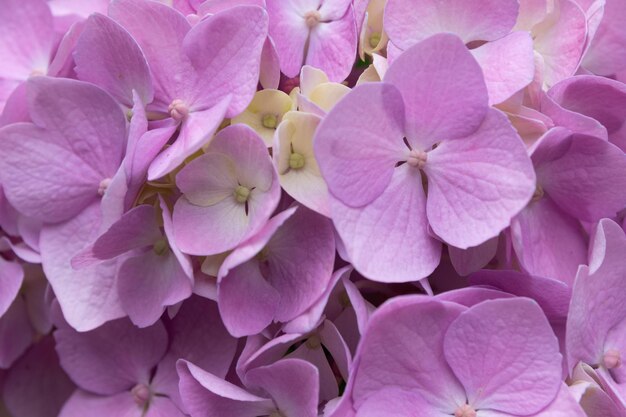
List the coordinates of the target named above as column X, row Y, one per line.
column 302, row 208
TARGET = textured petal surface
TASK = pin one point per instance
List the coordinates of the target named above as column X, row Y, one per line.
column 85, row 404
column 107, row 56
column 11, row 278
column 229, row 64
column 388, row 239
column 596, row 304
column 77, row 140
column 478, row 183
column 112, row 358
column 357, row 146
column 403, row 348
column 506, row 356
column 443, row 89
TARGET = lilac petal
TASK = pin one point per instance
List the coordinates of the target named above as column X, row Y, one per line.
column 443, row 89
column 289, row 31
column 196, row 130
column 564, row 405
column 300, row 260
column 198, row 335
column 332, row 46
column 604, row 56
column 596, row 97
column 159, row 30
column 292, row 384
column 410, row 21
column 13, row 107
column 477, row 184
column 335, row 344
column 77, row 139
column 357, row 145
column 388, row 239
column 527, row 376
column 112, row 358
column 136, row 229
column 168, row 228
column 163, row 407
column 16, row 333
column 157, row 280
column 206, row 395
column 596, row 304
column 403, row 348
column 269, row 75
column 28, row 24
column 552, row 296
column 466, row 261
column 399, row 403
column 507, row 64
column 82, row 403
column 470, row 296
column 576, row 122
column 312, row 352
column 548, row 242
column 88, row 297
column 63, row 64
column 248, row 303
column 229, row 64
column 36, row 386
column 11, row 278
column 107, row 56
column 583, row 175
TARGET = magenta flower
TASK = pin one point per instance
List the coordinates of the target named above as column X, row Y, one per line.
column 429, row 117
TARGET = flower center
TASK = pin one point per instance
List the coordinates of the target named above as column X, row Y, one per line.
column 178, row 110
column 141, row 394
column 538, row 194
column 241, row 194
column 270, row 121
column 160, row 246
column 312, row 18
column 104, row 185
column 465, row 411
column 417, row 158
column 296, row 161
column 612, row 359
column 375, row 39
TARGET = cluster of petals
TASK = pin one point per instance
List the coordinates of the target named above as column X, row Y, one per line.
column 313, row 208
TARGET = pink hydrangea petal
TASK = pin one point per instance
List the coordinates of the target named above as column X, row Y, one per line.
column 399, row 403
column 388, row 239
column 466, row 261
column 560, row 41
column 196, row 131
column 300, row 261
column 36, row 385
column 548, row 242
column 596, row 97
column 477, row 184
column 111, row 358
column 443, row 88
column 26, row 38
column 11, row 278
column 410, row 21
column 506, row 356
column 83, row 403
column 16, row 333
column 596, row 303
column 159, row 30
column 196, row 334
column 357, row 146
column 576, row 122
column 507, row 64
column 289, row 31
column 292, row 384
column 332, row 46
column 107, row 56
column 157, row 280
column 87, row 297
column 163, row 407
column 207, row 395
column 605, row 56
column 582, row 174
column 403, row 348
column 77, row 139
column 229, row 64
